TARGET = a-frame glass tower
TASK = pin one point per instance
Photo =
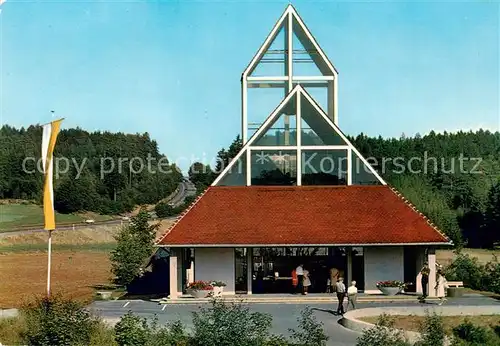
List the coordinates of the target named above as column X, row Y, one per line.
column 299, row 143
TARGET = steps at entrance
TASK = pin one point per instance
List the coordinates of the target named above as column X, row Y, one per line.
column 292, row 299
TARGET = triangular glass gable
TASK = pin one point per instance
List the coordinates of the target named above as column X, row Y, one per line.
column 282, row 131
column 303, row 63
column 307, row 59
column 327, row 165
column 315, row 129
column 271, row 63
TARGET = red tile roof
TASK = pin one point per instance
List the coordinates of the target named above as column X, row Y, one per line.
column 301, row 215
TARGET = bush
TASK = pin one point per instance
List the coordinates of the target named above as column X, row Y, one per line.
column 132, row 330
column 432, row 331
column 382, row 334
column 163, row 209
column 230, row 325
column 474, row 275
column 467, row 269
column 471, row 335
column 56, row 321
column 310, row 330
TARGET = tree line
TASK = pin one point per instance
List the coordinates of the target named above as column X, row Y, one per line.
column 97, row 171
column 452, row 178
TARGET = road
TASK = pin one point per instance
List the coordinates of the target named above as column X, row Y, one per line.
column 284, row 315
column 186, row 188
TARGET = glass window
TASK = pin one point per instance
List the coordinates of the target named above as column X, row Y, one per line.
column 274, row 167
column 324, row 167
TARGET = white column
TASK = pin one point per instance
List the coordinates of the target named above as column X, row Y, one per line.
column 420, row 259
column 349, row 266
column 173, row 274
column 299, row 140
column 432, row 276
column 244, row 110
column 249, row 270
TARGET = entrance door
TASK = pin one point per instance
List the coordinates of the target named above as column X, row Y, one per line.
column 358, row 268
column 241, row 270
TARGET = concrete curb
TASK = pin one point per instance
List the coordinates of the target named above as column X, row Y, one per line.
column 351, row 318
column 8, row 313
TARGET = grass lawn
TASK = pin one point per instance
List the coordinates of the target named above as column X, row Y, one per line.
column 413, row 322
column 74, row 273
column 15, row 216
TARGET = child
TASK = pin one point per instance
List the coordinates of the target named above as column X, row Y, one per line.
column 441, row 286
column 352, row 295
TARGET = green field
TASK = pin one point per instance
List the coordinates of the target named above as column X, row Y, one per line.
column 16, row 216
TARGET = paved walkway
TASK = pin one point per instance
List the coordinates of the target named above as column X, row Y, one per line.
column 284, row 315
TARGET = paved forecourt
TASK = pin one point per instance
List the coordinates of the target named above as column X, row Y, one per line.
column 284, row 315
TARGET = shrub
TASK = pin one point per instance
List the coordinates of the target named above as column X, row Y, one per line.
column 310, row 330
column 467, row 269
column 133, row 330
column 382, row 334
column 218, row 284
column 56, row 321
column 11, row 330
column 163, row 209
column 230, row 325
column 474, row 335
column 474, row 275
column 432, row 331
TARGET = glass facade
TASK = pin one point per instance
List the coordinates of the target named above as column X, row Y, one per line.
column 274, row 167
column 324, row 167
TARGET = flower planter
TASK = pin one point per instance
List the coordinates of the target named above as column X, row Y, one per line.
column 218, row 291
column 199, row 293
column 390, row 291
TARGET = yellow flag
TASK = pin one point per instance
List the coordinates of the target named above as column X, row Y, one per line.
column 50, row 132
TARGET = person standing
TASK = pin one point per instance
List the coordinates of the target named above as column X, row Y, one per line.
column 441, row 286
column 307, row 281
column 352, row 295
column 340, row 289
column 300, row 278
column 425, row 271
column 334, row 276
column 295, row 281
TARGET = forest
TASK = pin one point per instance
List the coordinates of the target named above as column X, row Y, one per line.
column 104, row 172
column 452, row 178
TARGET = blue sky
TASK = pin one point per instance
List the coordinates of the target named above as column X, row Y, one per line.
column 173, row 68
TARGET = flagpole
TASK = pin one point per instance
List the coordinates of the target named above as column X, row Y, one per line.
column 49, row 262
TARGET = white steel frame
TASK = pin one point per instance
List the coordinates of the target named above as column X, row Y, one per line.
column 301, row 95
column 291, row 23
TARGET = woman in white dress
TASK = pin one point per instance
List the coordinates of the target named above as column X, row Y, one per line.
column 441, row 286
column 307, row 281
